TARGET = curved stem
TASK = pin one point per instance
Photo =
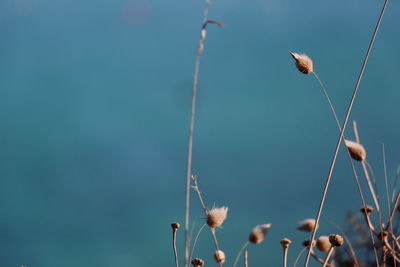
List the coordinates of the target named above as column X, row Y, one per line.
column 240, row 253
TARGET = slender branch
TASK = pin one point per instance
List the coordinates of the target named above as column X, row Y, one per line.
column 344, row 127
column 191, row 125
column 328, row 256
column 240, row 253
column 195, row 240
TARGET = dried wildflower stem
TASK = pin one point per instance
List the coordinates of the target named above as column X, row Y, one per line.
column 212, row 229
column 240, row 253
column 195, row 240
column 385, row 176
column 367, row 178
column 174, row 230
column 246, row 260
column 285, row 252
column 328, row 256
column 298, row 256
column 370, row 228
column 190, row 139
column 344, row 125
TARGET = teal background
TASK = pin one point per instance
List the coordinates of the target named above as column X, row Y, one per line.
column 94, row 113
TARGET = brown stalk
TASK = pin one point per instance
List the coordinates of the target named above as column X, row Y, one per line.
column 328, row 256
column 212, row 229
column 344, row 127
column 191, row 126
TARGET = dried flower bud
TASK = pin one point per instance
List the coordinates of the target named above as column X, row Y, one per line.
column 175, row 225
column 303, row 63
column 307, row 225
column 285, row 243
column 197, row 262
column 219, row 256
column 323, row 243
column 366, row 209
column 357, row 151
column 216, row 216
column 258, row 233
column 336, row 240
column 306, row 243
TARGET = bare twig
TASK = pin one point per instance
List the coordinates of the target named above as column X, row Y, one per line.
column 328, row 256
column 246, row 261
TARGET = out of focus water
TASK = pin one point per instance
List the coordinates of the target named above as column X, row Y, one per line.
column 94, row 112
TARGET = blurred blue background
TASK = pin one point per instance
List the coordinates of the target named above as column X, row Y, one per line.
column 94, row 113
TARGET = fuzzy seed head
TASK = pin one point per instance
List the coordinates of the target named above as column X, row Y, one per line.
column 323, row 243
column 336, row 240
column 357, row 151
column 258, row 233
column 216, row 216
column 307, row 225
column 175, row 225
column 367, row 209
column 303, row 62
column 219, row 256
column 197, row 262
column 285, row 243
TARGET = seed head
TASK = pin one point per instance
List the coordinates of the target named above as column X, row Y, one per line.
column 219, row 256
column 366, row 209
column 307, row 225
column 303, row 63
column 285, row 243
column 357, row 151
column 258, row 233
column 216, row 216
column 323, row 243
column 197, row 262
column 175, row 225
column 336, row 240
column 307, row 242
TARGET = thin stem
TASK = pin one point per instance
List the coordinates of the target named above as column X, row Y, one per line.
column 298, row 256
column 240, row 253
column 385, row 176
column 370, row 227
column 246, row 260
column 328, row 99
column 344, row 127
column 212, row 229
column 195, row 240
column 190, row 139
column 328, row 256
column 285, row 252
column 174, row 230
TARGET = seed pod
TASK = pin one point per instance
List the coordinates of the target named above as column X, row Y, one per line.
column 285, row 243
column 336, row 240
column 323, row 243
column 366, row 209
column 307, row 225
column 306, row 243
column 175, row 225
column 357, row 151
column 197, row 262
column 216, row 216
column 219, row 256
column 303, row 63
column 258, row 233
